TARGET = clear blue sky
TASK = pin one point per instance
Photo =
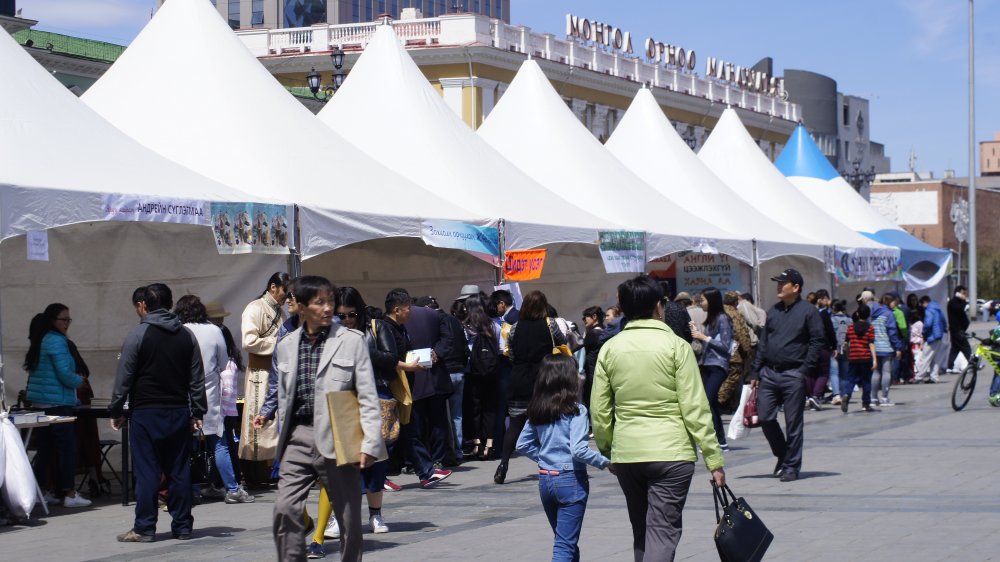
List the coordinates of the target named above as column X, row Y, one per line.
column 909, row 57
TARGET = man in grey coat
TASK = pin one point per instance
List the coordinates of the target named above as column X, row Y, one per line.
column 317, row 358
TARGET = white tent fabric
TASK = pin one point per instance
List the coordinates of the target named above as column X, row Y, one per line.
column 189, row 89
column 424, row 140
column 57, row 160
column 646, row 142
column 533, row 128
column 736, row 159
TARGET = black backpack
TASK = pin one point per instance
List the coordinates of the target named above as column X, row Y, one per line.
column 483, row 357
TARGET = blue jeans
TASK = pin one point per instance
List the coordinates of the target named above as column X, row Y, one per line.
column 223, row 462
column 857, row 374
column 160, row 440
column 837, row 365
column 564, row 499
column 995, row 385
column 712, row 377
column 455, row 407
column 56, row 451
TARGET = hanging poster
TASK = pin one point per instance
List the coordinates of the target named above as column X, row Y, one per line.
column 623, row 251
column 480, row 241
column 38, row 245
column 243, row 228
column 524, row 265
column 869, row 264
column 697, row 271
column 154, row 209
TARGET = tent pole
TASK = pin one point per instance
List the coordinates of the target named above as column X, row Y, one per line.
column 3, row 388
column 295, row 254
column 755, row 277
column 502, row 246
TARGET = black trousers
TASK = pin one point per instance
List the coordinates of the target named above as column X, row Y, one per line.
column 655, row 493
column 433, row 412
column 959, row 343
column 787, row 388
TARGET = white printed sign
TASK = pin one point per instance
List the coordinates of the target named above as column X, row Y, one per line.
column 154, row 209
column 38, row 245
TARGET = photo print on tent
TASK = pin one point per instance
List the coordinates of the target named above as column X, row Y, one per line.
column 623, row 251
column 243, row 228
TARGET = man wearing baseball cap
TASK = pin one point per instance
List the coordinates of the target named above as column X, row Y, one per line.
column 789, row 347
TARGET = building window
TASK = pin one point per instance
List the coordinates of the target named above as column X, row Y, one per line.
column 394, row 10
column 369, row 16
column 487, row 8
column 257, row 14
column 499, row 9
column 430, row 9
column 475, row 6
column 234, row 14
column 356, row 11
column 381, row 6
column 847, row 115
column 303, row 13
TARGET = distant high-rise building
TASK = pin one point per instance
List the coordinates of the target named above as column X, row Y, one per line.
column 271, row 14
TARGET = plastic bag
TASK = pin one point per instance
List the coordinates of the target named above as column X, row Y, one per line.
column 750, row 417
column 736, row 428
column 960, row 362
column 20, row 491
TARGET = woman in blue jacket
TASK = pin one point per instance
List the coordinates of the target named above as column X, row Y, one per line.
column 716, row 335
column 52, row 384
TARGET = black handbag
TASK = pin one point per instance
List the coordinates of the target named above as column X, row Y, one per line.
column 202, row 460
column 740, row 535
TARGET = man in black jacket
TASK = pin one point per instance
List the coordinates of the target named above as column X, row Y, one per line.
column 451, row 352
column 160, row 375
column 790, row 345
column 958, row 324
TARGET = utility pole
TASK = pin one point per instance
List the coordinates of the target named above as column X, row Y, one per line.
column 973, row 261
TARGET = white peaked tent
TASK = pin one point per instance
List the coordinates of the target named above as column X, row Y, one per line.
column 58, row 162
column 806, row 167
column 389, row 109
column 646, row 143
column 206, row 102
column 532, row 127
column 189, row 89
column 737, row 160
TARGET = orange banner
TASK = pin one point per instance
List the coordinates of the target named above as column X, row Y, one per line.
column 524, row 265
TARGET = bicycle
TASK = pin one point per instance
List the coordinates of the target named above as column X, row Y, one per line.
column 966, row 382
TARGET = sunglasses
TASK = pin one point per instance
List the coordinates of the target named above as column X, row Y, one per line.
column 351, row 315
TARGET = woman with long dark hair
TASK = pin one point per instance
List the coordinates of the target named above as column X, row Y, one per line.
column 533, row 337
column 353, row 314
column 52, row 384
column 716, row 334
column 214, row 358
column 481, row 380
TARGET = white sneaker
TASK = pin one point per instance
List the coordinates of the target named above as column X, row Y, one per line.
column 886, row 402
column 378, row 524
column 332, row 529
column 76, row 501
column 51, row 499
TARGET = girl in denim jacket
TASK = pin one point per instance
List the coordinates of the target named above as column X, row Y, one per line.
column 556, row 438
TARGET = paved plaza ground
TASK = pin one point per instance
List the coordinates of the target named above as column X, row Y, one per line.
column 913, row 482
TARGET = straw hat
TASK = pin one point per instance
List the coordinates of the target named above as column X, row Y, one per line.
column 215, row 309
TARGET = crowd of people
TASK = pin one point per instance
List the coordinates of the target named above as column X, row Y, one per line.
column 648, row 380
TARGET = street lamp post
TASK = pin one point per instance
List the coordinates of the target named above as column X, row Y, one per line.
column 859, row 178
column 973, row 261
column 315, row 80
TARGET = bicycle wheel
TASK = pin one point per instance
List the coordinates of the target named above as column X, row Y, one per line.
column 964, row 386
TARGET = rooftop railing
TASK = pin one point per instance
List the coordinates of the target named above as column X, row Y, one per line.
column 473, row 29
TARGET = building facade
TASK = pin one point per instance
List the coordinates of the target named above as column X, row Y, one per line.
column 471, row 59
column 272, row 14
column 989, row 156
column 929, row 210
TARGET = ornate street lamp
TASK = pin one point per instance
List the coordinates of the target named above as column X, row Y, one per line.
column 314, row 79
column 689, row 138
column 859, row 178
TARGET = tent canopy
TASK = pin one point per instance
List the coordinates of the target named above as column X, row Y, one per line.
column 423, row 139
column 58, row 158
column 808, row 169
column 646, row 143
column 207, row 102
column 733, row 155
column 532, row 126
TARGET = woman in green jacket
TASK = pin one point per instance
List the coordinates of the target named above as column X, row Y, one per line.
column 649, row 410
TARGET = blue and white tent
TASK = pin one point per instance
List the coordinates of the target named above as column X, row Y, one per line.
column 805, row 166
